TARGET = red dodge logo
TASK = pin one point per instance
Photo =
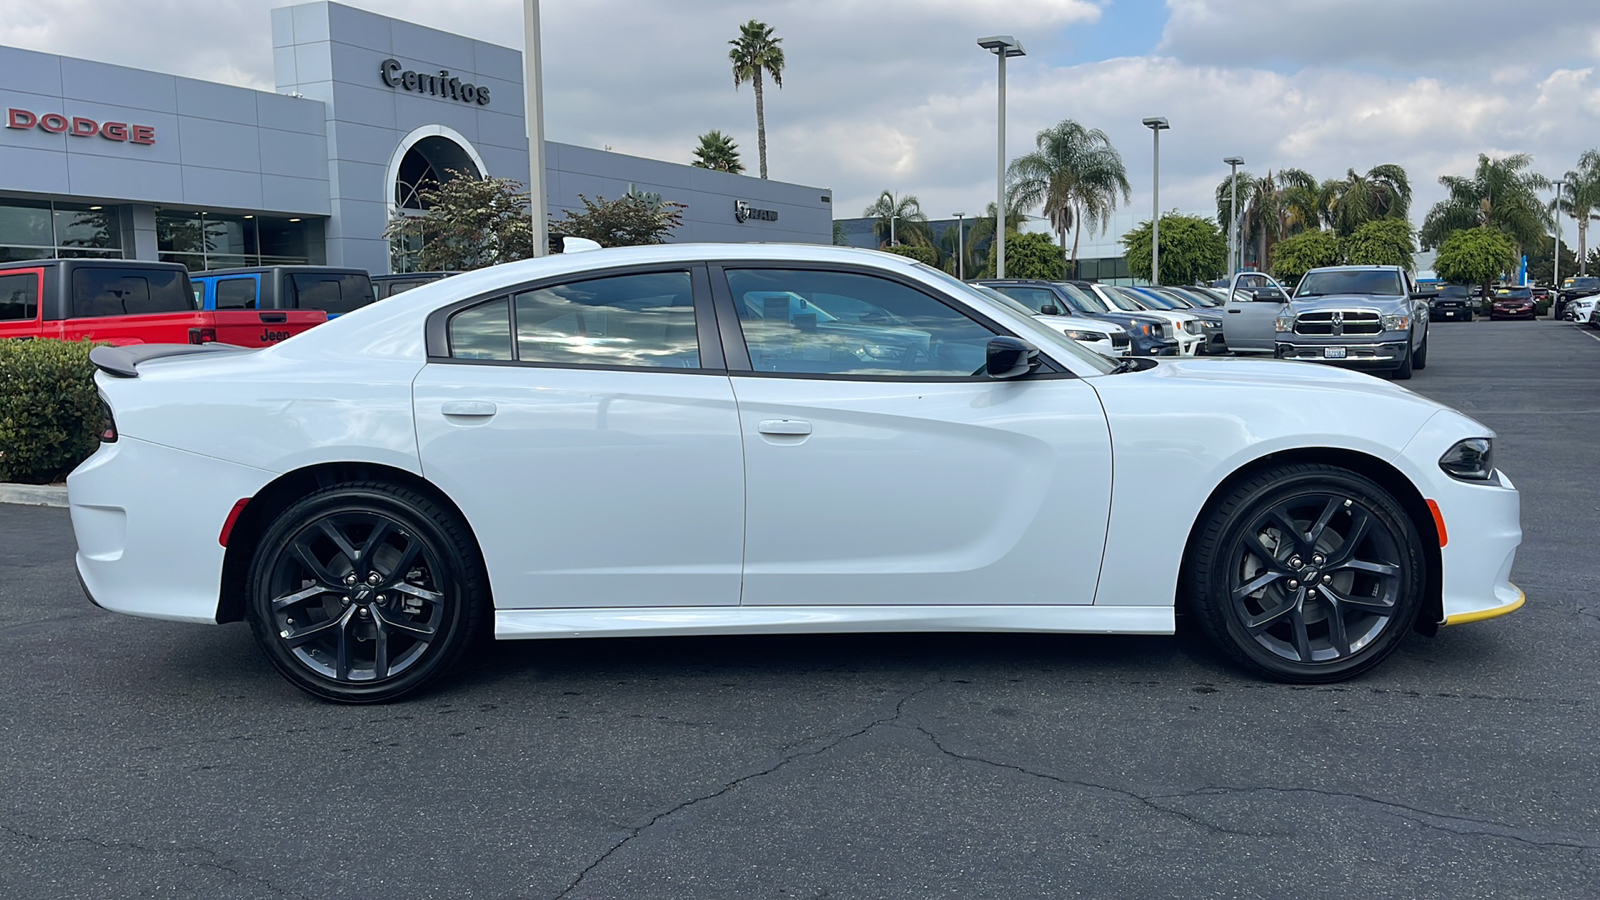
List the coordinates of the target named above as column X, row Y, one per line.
column 78, row 126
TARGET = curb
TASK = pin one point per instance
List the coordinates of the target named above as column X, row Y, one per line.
column 34, row 494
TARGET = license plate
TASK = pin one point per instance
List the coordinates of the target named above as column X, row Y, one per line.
column 1333, row 353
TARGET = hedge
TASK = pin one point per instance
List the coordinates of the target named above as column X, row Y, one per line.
column 50, row 418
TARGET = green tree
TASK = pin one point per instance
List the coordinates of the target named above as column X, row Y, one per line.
column 1381, row 242
column 1383, row 192
column 980, row 237
column 1580, row 199
column 923, row 253
column 1192, row 250
column 910, row 223
column 718, row 152
column 632, row 220
column 839, row 238
column 1475, row 256
column 1075, row 175
column 1541, row 267
column 1029, row 255
column 467, row 223
column 1499, row 194
column 755, row 51
column 1297, row 255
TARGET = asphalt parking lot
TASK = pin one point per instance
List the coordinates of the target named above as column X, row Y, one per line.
column 152, row 759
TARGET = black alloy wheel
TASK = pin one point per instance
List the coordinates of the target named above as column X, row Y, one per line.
column 1307, row 573
column 360, row 593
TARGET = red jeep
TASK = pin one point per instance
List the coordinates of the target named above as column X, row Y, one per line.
column 126, row 301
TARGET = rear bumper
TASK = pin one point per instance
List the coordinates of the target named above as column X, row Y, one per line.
column 147, row 520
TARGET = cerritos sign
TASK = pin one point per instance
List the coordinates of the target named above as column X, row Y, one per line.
column 744, row 212
column 441, row 85
column 78, row 126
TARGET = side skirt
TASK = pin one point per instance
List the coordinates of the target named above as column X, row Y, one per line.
column 511, row 624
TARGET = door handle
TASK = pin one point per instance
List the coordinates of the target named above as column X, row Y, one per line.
column 784, row 426
column 474, row 408
column 1236, row 311
column 274, row 318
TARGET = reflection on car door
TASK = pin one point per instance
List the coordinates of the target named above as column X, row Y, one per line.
column 880, row 470
column 593, row 449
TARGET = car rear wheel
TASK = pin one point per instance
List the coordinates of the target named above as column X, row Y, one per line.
column 361, row 593
column 1306, row 573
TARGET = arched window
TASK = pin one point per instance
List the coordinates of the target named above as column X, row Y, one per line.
column 430, row 161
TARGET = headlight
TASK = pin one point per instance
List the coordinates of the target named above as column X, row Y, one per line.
column 1471, row 459
column 1083, row 335
column 1283, row 324
column 1396, row 323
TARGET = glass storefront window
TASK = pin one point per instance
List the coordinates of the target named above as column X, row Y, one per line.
column 41, row 229
column 26, row 222
column 204, row 241
column 89, row 227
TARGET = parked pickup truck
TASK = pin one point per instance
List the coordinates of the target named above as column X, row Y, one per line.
column 1360, row 317
column 334, row 291
column 128, row 302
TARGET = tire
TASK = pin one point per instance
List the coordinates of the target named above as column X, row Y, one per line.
column 1368, row 584
column 1404, row 372
column 1469, row 315
column 1421, row 361
column 364, row 567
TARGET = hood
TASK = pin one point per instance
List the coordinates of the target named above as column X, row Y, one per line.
column 1377, row 304
column 1256, row 373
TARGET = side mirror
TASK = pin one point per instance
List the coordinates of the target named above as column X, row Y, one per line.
column 1010, row 357
column 1049, row 309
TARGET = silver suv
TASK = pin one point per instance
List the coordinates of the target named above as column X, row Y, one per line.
column 1361, row 317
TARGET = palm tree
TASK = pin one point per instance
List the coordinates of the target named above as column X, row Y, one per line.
column 980, row 237
column 912, row 224
column 1581, row 200
column 1383, row 193
column 754, row 51
column 1499, row 194
column 717, row 151
column 1075, row 174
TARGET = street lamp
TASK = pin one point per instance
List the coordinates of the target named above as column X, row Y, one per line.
column 1234, row 162
column 533, row 109
column 1555, row 276
column 892, row 219
column 961, row 249
column 1003, row 46
column 1156, row 125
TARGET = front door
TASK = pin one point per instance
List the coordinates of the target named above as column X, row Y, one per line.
column 881, row 470
column 1254, row 304
column 593, row 448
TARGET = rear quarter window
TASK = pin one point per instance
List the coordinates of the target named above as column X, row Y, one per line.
column 236, row 293
column 19, row 297
column 100, row 291
column 332, row 293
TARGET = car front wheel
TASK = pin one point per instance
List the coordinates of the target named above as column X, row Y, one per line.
column 1306, row 573
column 361, row 593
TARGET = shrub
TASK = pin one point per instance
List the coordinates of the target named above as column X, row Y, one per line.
column 50, row 417
column 922, row 253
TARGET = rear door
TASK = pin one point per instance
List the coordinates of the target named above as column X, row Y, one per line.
column 882, row 468
column 19, row 303
column 588, row 431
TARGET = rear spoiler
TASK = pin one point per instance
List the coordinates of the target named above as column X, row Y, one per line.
column 123, row 362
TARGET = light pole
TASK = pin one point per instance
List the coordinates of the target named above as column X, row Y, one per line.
column 1156, row 125
column 1234, row 162
column 961, row 249
column 891, row 229
column 533, row 109
column 1002, row 46
column 1555, row 258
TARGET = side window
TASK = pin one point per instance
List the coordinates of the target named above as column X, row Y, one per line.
column 104, row 291
column 840, row 323
column 19, row 297
column 644, row 320
column 236, row 293
column 482, row 331
column 1035, row 299
column 332, row 293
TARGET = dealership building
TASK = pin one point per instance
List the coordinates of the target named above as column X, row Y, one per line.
column 104, row 160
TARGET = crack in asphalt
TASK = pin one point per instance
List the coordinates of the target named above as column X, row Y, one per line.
column 638, row 830
column 1488, row 827
column 174, row 850
column 1073, row 782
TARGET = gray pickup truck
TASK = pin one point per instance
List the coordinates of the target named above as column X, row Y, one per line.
column 1361, row 317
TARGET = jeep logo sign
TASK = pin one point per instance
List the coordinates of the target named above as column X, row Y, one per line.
column 743, row 212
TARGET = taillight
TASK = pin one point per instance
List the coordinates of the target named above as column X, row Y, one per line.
column 108, row 424
column 202, row 335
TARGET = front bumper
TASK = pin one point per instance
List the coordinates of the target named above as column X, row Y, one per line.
column 147, row 520
column 1375, row 356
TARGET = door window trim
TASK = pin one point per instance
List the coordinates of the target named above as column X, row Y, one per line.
column 737, row 352
column 437, row 327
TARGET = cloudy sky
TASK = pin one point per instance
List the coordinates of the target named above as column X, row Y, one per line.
column 895, row 95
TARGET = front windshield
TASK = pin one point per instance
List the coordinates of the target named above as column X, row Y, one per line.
column 1115, row 297
column 1369, row 282
column 1059, row 344
column 1197, row 297
column 1152, row 299
column 1082, row 300
column 1001, row 297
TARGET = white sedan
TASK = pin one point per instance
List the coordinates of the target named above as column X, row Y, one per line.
column 666, row 440
column 1188, row 331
